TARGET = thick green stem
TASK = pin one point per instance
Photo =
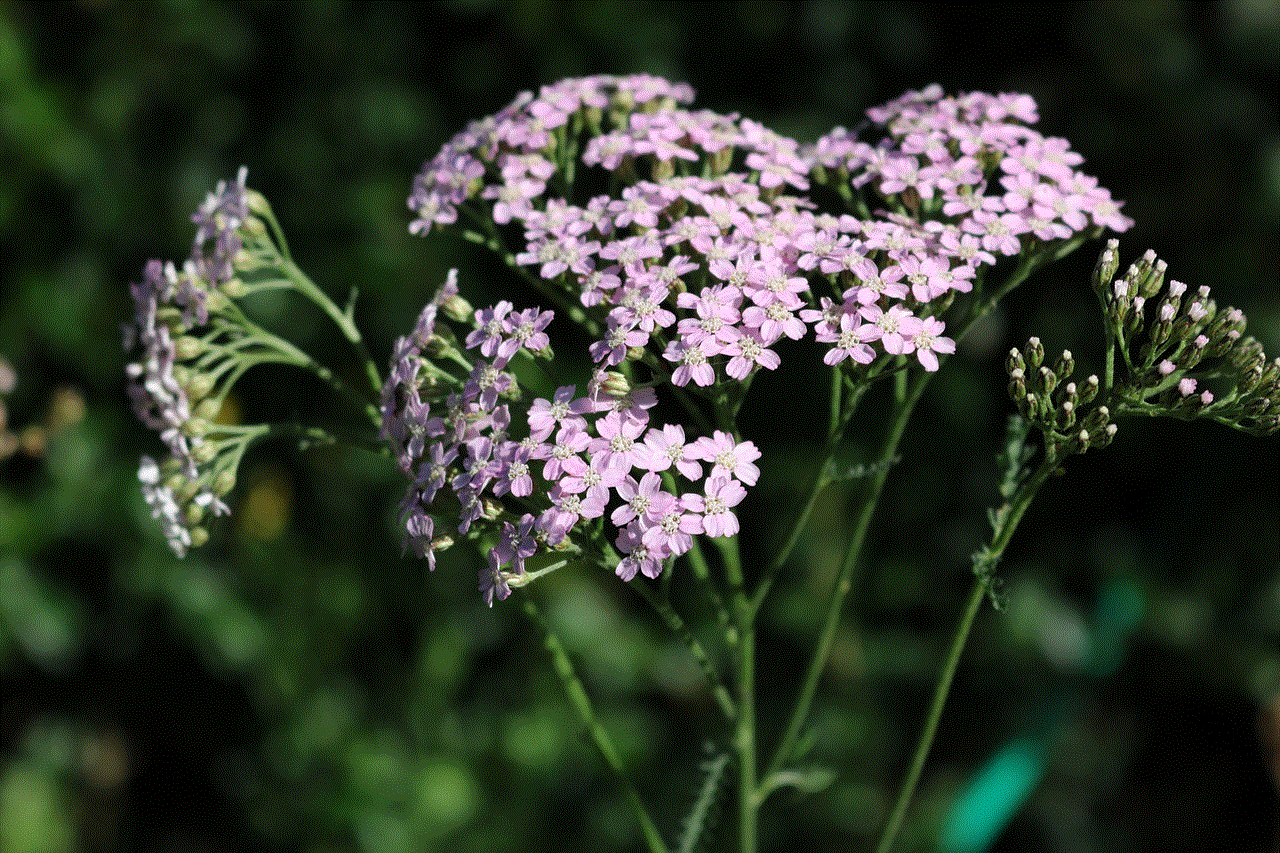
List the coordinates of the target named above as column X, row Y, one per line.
column 577, row 695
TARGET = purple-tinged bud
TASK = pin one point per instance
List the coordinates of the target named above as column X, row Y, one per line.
column 1152, row 275
column 1137, row 318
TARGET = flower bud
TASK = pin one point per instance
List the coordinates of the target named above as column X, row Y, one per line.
column 193, row 514
column 1090, row 390
column 1014, row 362
column 234, row 288
column 663, row 169
column 614, row 384
column 1137, row 318
column 1017, row 385
column 1048, row 380
column 207, row 409
column 224, row 483
column 198, row 385
column 199, row 536
column 1104, row 436
column 1151, row 284
column 457, row 309
column 442, row 543
column 1033, row 352
column 1105, row 269
column 1096, row 419
column 187, row 347
column 1066, row 414
column 1065, row 367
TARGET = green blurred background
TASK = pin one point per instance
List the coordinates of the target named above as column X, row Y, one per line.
column 297, row 686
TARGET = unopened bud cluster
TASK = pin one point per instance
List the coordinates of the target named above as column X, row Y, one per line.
column 1173, row 342
column 1058, row 406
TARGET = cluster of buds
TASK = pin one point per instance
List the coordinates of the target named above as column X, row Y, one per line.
column 1058, row 406
column 1179, row 353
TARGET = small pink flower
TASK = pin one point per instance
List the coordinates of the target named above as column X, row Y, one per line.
column 729, row 458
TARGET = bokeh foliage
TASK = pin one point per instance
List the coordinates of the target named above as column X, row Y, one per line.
column 298, row 685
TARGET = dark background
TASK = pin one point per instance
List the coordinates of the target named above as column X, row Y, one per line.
column 296, row 685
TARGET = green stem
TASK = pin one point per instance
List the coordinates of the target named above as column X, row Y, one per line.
column 1017, row 506
column 345, row 322
column 821, row 479
column 678, row 627
column 976, row 594
column 301, row 359
column 577, row 695
column 844, row 578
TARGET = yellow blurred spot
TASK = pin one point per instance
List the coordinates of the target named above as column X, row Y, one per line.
column 265, row 512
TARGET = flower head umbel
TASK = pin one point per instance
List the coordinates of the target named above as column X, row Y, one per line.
column 192, row 341
column 692, row 275
column 535, row 475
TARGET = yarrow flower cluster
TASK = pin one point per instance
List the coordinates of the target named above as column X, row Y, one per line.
column 173, row 384
column 714, row 251
column 194, row 342
column 544, row 474
column 1179, row 353
column 710, row 250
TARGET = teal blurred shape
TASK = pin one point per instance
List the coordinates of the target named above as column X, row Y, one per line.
column 1004, row 784
column 995, row 795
